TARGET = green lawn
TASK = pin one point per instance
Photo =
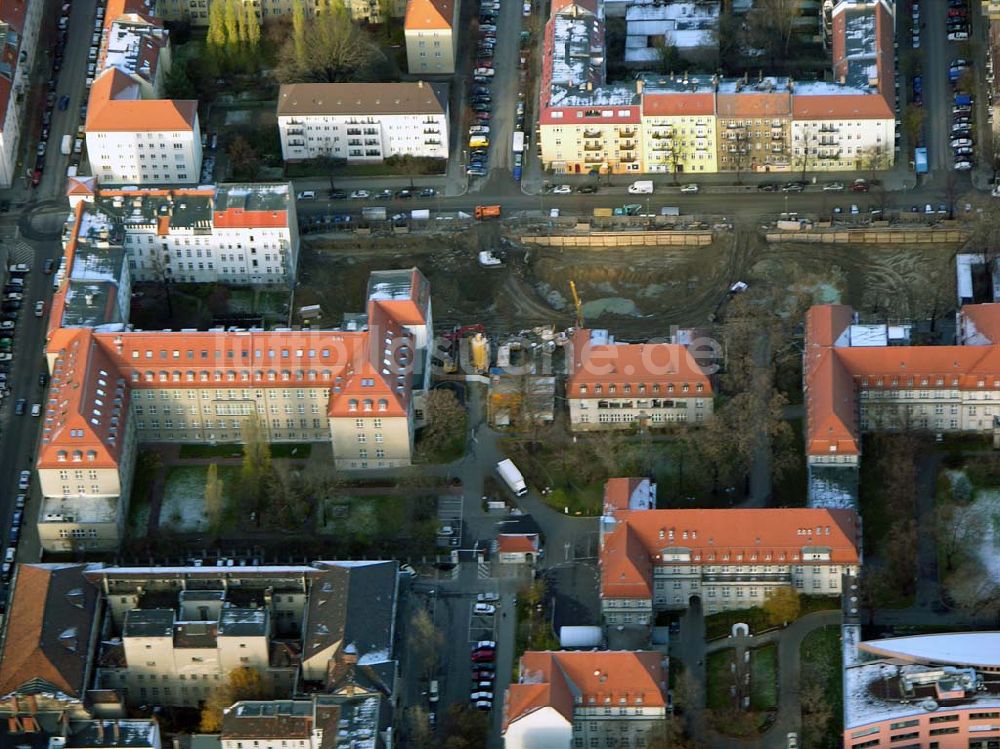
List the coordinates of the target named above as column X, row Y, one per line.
column 721, row 624
column 379, row 524
column 821, row 663
column 764, row 678
column 719, row 676
column 183, row 506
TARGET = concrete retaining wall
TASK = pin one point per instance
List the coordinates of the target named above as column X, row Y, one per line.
column 873, row 236
column 623, row 239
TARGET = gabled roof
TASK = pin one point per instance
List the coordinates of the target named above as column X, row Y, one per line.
column 587, row 678
column 714, row 536
column 47, row 645
column 626, row 565
column 428, row 15
column 351, row 606
column 86, row 408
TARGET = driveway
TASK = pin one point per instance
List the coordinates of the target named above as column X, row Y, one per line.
column 689, row 647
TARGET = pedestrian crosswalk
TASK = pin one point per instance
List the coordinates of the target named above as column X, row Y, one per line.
column 483, row 570
column 22, row 252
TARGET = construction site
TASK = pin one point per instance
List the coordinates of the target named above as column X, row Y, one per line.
column 639, row 292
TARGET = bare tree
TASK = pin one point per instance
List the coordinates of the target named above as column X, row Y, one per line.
column 338, row 49
column 426, row 640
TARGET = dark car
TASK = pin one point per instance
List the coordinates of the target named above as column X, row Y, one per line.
column 20, row 406
column 404, row 194
column 768, row 187
column 428, row 192
column 479, row 107
column 338, row 195
column 48, row 266
column 63, row 102
column 43, row 379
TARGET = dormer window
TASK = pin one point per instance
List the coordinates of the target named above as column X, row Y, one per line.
column 61, row 456
column 91, row 455
column 77, row 456
column 383, row 404
column 352, row 404
column 368, row 404
column 583, row 389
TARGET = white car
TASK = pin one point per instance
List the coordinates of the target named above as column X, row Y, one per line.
column 36, row 409
column 479, row 130
column 446, row 530
column 955, row 36
column 478, row 696
column 487, row 609
column 24, row 480
column 306, row 195
column 562, row 190
column 9, row 324
column 488, row 597
column 483, row 705
column 39, row 308
column 963, row 166
column 19, row 268
column 20, row 502
column 491, row 644
column 834, row 187
column 689, row 188
column 360, row 195
column 792, row 740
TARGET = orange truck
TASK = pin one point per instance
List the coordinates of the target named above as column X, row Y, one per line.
column 487, row 211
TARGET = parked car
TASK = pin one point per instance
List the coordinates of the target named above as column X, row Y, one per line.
column 689, row 188
column 24, row 480
column 562, row 190
column 479, row 656
column 488, row 644
column 833, row 187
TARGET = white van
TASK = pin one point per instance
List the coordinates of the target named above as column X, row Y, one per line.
column 307, row 195
column 641, row 187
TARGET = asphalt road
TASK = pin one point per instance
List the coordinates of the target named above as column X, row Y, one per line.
column 746, row 202
column 20, row 434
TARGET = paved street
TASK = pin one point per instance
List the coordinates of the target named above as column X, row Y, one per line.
column 38, row 227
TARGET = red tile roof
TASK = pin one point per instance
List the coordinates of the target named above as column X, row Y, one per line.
column 48, row 630
column 428, row 15
column 591, row 679
column 239, row 218
column 715, row 536
column 833, row 373
column 517, row 543
column 115, row 106
column 670, row 366
column 840, row 106
column 367, row 373
column 12, row 13
column 678, row 104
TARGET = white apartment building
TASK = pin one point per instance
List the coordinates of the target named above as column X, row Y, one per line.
column 231, row 233
column 655, row 560
column 565, row 700
column 431, row 41
column 136, row 141
column 617, row 386
column 19, row 25
column 363, row 122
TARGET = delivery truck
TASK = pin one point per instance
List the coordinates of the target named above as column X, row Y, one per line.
column 67, row 145
column 487, row 211
column 641, row 187
column 512, row 477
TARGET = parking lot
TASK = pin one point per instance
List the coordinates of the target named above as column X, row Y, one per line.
column 449, row 513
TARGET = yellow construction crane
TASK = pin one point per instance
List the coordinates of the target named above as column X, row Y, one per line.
column 576, row 304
